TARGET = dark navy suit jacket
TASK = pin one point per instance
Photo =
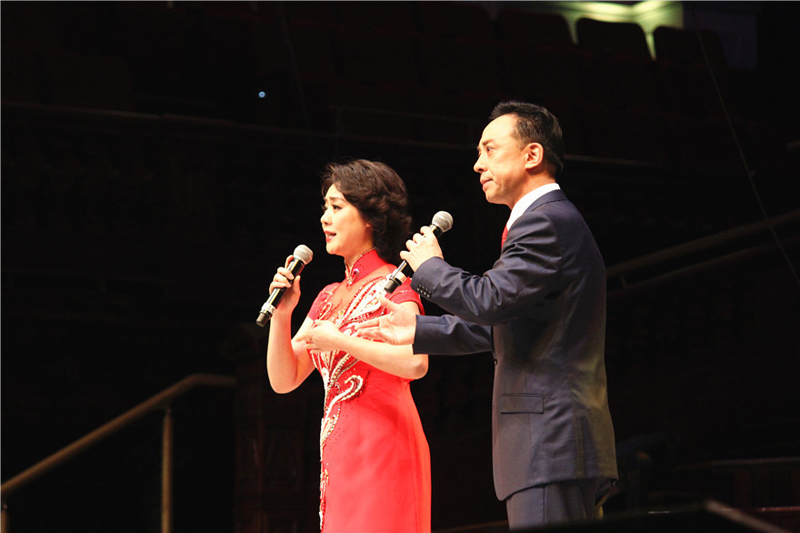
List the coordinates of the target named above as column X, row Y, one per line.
column 541, row 311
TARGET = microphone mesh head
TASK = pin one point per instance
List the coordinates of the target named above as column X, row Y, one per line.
column 303, row 253
column 443, row 220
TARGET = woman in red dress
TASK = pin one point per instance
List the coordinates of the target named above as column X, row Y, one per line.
column 375, row 461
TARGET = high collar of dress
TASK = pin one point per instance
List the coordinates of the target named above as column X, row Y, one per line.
column 366, row 263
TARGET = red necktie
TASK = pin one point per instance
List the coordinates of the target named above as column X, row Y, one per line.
column 505, row 234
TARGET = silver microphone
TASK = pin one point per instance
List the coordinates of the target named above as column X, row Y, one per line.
column 301, row 256
column 442, row 221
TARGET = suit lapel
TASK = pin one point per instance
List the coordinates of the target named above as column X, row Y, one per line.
column 552, row 196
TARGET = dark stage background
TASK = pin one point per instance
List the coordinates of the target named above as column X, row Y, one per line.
column 149, row 191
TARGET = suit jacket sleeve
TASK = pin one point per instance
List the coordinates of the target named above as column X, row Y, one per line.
column 449, row 335
column 528, row 270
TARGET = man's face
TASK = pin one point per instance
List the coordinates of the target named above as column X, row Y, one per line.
column 502, row 162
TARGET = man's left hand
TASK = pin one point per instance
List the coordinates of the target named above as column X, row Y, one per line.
column 421, row 247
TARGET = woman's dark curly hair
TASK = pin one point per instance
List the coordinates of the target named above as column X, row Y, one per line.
column 380, row 196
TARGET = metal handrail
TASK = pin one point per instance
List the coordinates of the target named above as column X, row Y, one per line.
column 701, row 244
column 619, row 271
column 162, row 400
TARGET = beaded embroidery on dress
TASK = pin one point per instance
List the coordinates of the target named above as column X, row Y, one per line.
column 350, row 387
column 340, row 382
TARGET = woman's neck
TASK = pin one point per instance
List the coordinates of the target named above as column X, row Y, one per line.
column 349, row 262
column 357, row 269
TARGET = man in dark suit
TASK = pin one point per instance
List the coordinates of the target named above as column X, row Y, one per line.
column 541, row 310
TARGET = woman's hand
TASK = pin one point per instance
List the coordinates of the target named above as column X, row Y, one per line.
column 284, row 279
column 323, row 336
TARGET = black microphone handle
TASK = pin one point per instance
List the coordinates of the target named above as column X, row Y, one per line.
column 295, row 267
column 397, row 277
column 404, row 271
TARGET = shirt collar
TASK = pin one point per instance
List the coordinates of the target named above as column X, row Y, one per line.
column 526, row 201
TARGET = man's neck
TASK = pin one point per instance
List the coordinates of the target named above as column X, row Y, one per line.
column 526, row 201
column 533, row 184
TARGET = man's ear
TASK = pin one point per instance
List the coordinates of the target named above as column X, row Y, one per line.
column 534, row 155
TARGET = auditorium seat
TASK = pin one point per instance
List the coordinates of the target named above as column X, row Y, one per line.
column 687, row 90
column 521, row 26
column 34, row 24
column 618, row 39
column 21, row 75
column 223, row 8
column 89, row 28
column 28, row 28
column 269, row 45
column 766, row 146
column 311, row 50
column 153, row 43
column 542, row 75
column 455, row 19
column 451, row 118
column 618, row 69
column 635, row 135
column 77, row 80
column 621, row 82
column 684, row 47
column 456, row 64
column 571, row 117
column 704, row 143
column 376, row 111
column 396, row 17
column 312, row 65
column 313, row 13
column 700, row 91
column 377, row 57
column 221, row 66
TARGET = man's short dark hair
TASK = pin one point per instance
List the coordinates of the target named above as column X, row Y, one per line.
column 535, row 124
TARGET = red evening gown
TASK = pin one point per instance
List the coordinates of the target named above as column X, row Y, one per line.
column 375, row 461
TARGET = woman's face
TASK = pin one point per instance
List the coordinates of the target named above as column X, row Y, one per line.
column 346, row 232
